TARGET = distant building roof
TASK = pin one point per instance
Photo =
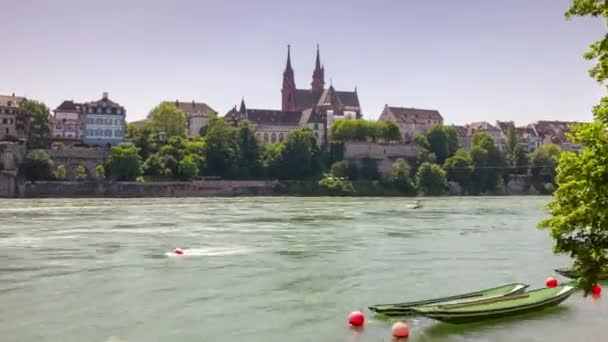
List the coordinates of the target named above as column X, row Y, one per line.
column 105, row 102
column 409, row 115
column 460, row 130
column 481, row 126
column 193, row 108
column 11, row 100
column 69, row 106
column 273, row 117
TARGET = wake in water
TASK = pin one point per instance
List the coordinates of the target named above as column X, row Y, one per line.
column 210, row 252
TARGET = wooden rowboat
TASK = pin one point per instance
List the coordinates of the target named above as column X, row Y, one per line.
column 497, row 307
column 401, row 309
column 572, row 274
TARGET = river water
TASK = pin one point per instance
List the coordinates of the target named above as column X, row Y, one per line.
column 271, row 269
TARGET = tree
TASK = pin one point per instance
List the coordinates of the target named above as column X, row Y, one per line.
column 100, row 173
column 400, row 177
column 459, row 168
column 188, row 167
column 38, row 124
column 579, row 224
column 60, row 172
column 336, row 185
column 520, row 160
column 272, row 160
column 451, row 139
column 249, row 151
column 487, row 163
column 221, row 149
column 81, row 173
column 339, row 169
column 543, row 162
column 169, row 119
column 132, row 131
column 438, row 142
column 390, row 131
column 432, row 179
column 301, row 155
column 512, row 140
column 124, row 164
column 421, row 140
column 145, row 140
column 38, row 165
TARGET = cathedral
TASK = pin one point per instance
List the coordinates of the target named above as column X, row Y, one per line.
column 315, row 108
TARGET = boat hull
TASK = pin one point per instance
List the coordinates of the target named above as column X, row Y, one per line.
column 461, row 317
column 572, row 274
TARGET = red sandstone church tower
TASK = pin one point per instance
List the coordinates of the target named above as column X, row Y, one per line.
column 318, row 75
column 289, row 86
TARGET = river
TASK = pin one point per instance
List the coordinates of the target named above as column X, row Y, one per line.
column 271, row 269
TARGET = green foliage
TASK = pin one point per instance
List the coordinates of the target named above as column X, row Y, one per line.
column 451, row 139
column 336, row 185
column 249, row 151
column 272, row 160
column 400, row 177
column 37, row 165
column 519, row 160
column 221, row 149
column 301, row 155
column 81, row 173
column 579, row 224
column 488, row 164
column 169, row 119
column 432, row 179
column 123, row 162
column 339, row 169
column 188, row 167
column 363, row 130
column 512, row 141
column 543, row 162
column 145, row 140
column 38, row 124
column 421, row 140
column 60, row 172
column 336, row 152
column 132, row 131
column 100, row 173
column 459, row 167
column 153, row 166
column 438, row 142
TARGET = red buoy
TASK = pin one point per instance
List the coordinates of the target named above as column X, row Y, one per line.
column 400, row 330
column 551, row 282
column 596, row 290
column 178, row 251
column 356, row 319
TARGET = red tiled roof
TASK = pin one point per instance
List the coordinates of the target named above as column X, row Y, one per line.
column 412, row 114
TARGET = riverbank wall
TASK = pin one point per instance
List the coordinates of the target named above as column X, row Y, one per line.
column 219, row 188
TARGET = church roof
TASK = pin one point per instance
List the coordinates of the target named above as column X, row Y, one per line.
column 407, row 115
column 306, row 98
column 273, row 117
column 310, row 115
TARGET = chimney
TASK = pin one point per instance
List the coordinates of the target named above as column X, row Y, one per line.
column 176, row 103
column 193, row 104
column 13, row 94
column 105, row 95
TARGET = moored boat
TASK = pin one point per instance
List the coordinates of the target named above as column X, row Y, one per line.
column 401, row 309
column 531, row 301
column 573, row 274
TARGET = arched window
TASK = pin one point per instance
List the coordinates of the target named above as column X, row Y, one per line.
column 274, row 137
column 99, row 121
column 265, row 137
column 280, row 136
column 317, row 135
column 259, row 136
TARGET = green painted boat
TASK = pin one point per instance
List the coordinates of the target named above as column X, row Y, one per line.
column 572, row 274
column 401, row 309
column 497, row 307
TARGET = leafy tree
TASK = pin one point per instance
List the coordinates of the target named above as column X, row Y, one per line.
column 339, row 169
column 60, row 172
column 543, row 162
column 390, row 131
column 38, row 124
column 124, row 163
column 153, row 166
column 301, row 155
column 188, row 167
column 488, row 163
column 272, row 160
column 132, row 131
column 520, row 159
column 169, row 119
column 512, row 140
column 38, row 165
column 421, row 140
column 336, row 185
column 459, row 168
column 171, row 166
column 438, row 142
column 100, row 173
column 221, row 149
column 432, row 179
column 579, row 224
column 81, row 173
column 451, row 139
column 400, row 177
column 363, row 130
column 249, row 151
column 145, row 140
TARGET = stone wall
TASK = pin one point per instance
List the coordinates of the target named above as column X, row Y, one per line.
column 220, row 188
column 74, row 156
column 384, row 154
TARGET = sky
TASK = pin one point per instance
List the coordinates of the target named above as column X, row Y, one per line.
column 472, row 60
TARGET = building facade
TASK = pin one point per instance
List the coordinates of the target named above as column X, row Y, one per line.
column 104, row 123
column 411, row 120
column 494, row 132
column 12, row 125
column 68, row 124
column 197, row 115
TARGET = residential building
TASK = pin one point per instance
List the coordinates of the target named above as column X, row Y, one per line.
column 274, row 125
column 68, row 123
column 554, row 132
column 197, row 115
column 12, row 125
column 494, row 132
column 105, row 122
column 464, row 140
column 411, row 120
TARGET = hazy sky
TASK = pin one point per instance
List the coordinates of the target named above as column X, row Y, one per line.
column 470, row 59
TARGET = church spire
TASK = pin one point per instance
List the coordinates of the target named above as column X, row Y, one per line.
column 318, row 75
column 243, row 109
column 288, row 91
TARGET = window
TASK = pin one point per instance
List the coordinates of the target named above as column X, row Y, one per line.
column 316, row 126
column 99, row 121
column 317, row 135
column 98, row 132
column 109, row 122
column 90, row 132
column 90, row 121
column 11, row 121
column 98, row 110
column 117, row 122
column 265, row 137
column 4, row 121
column 108, row 110
column 58, row 126
column 107, row 133
column 259, row 136
column 119, row 111
column 274, row 137
column 280, row 136
column 91, row 110
column 118, row 133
